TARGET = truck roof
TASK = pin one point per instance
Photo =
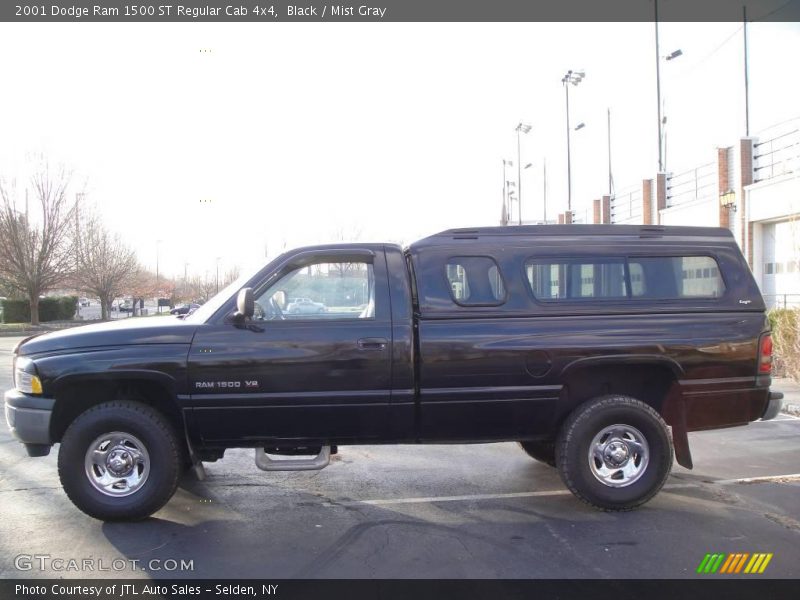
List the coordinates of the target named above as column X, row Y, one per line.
column 521, row 232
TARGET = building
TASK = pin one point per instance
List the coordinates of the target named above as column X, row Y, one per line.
column 751, row 188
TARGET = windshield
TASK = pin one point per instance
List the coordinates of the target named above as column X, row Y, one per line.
column 202, row 314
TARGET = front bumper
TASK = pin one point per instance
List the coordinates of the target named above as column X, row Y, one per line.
column 28, row 418
column 773, row 406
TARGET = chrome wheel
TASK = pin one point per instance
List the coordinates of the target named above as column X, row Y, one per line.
column 618, row 455
column 117, row 464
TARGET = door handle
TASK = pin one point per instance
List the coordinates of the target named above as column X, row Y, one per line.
column 372, row 343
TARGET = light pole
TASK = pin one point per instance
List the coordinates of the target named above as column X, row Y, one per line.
column 520, row 128
column 506, row 206
column 673, row 55
column 158, row 295
column 746, row 77
column 574, row 78
column 662, row 118
column 218, row 274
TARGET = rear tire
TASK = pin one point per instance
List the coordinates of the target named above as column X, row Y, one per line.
column 119, row 461
column 614, row 453
column 544, row 452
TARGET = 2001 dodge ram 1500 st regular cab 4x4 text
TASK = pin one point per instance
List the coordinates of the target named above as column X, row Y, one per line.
column 596, row 347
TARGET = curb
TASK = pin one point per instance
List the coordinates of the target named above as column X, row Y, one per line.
column 43, row 329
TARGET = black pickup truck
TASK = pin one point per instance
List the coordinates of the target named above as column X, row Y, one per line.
column 596, row 347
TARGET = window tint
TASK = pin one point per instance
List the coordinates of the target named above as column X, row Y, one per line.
column 320, row 291
column 676, row 277
column 475, row 280
column 576, row 279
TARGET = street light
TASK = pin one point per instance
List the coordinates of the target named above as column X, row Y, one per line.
column 574, row 78
column 218, row 274
column 674, row 54
column 523, row 128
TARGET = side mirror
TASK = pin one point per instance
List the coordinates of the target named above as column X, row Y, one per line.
column 245, row 305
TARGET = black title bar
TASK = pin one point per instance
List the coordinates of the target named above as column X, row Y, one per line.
column 342, row 589
column 269, row 11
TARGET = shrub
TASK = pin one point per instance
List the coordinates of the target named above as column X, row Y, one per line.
column 16, row 311
column 785, row 324
column 52, row 308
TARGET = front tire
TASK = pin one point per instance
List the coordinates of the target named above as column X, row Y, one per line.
column 614, row 453
column 119, row 461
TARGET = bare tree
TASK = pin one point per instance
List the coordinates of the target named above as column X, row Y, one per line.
column 105, row 265
column 35, row 246
column 230, row 276
column 144, row 284
column 202, row 288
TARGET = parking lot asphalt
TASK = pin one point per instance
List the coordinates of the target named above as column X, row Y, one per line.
column 455, row 511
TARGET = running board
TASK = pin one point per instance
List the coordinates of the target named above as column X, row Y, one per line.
column 320, row 461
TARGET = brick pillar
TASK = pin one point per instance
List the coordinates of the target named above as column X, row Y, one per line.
column 606, row 211
column 597, row 216
column 661, row 196
column 560, row 218
column 746, row 178
column 723, row 186
column 647, row 201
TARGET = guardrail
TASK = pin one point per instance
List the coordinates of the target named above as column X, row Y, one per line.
column 582, row 216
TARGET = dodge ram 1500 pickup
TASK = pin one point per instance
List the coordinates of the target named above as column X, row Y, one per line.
column 597, row 348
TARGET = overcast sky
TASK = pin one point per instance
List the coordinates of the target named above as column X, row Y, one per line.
column 299, row 133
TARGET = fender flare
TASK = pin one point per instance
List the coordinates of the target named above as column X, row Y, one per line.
column 624, row 359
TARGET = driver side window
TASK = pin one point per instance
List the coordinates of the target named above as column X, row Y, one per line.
column 327, row 290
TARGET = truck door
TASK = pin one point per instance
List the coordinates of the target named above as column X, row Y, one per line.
column 314, row 363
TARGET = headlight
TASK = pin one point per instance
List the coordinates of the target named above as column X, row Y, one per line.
column 25, row 378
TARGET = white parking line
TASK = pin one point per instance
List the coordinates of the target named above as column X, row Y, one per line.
column 472, row 497
column 758, row 479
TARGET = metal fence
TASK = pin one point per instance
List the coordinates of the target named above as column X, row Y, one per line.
column 782, row 300
column 778, row 154
column 583, row 216
column 694, row 184
column 626, row 206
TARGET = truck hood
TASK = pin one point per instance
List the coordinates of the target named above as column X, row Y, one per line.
column 147, row 330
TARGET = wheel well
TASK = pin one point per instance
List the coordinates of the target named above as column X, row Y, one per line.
column 74, row 399
column 646, row 382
